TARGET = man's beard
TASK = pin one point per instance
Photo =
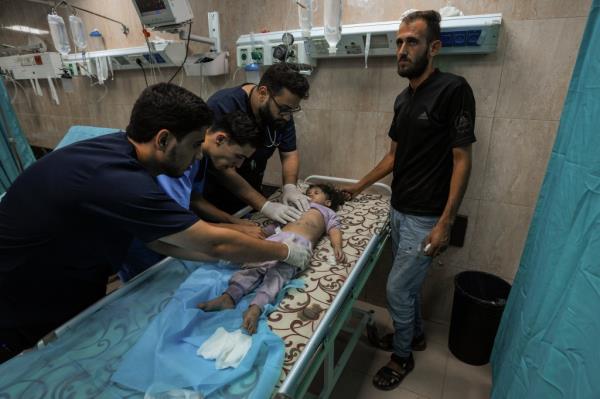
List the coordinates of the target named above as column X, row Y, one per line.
column 267, row 120
column 416, row 69
column 170, row 167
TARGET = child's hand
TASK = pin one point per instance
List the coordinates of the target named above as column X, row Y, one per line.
column 349, row 191
column 340, row 256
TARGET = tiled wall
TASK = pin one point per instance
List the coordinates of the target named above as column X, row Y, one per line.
column 343, row 129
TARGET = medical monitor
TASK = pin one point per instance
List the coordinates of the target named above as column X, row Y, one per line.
column 163, row 13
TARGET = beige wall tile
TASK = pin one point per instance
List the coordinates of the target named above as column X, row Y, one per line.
column 27, row 102
column 382, row 141
column 518, row 155
column 350, row 86
column 480, row 150
column 539, row 60
column 389, row 84
column 474, row 7
column 61, row 126
column 315, row 142
column 545, row 9
column 459, row 256
column 321, row 89
column 500, row 232
column 352, row 142
column 105, row 114
column 44, row 132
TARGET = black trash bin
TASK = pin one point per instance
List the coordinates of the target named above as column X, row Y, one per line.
column 479, row 300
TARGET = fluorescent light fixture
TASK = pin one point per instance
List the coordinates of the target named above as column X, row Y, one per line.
column 27, row 29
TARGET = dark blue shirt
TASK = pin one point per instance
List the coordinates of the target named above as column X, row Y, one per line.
column 66, row 223
column 235, row 99
column 181, row 188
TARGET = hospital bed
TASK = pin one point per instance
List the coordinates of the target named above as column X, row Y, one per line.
column 85, row 351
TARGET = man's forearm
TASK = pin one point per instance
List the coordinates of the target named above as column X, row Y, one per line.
column 461, row 171
column 290, row 165
column 226, row 244
column 381, row 170
column 177, row 252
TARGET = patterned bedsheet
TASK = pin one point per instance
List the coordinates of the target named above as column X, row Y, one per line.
column 300, row 312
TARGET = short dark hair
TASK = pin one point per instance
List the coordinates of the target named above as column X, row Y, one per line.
column 284, row 75
column 167, row 106
column 333, row 194
column 431, row 17
column 240, row 127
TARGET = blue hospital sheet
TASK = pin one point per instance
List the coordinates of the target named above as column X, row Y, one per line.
column 83, row 360
column 165, row 357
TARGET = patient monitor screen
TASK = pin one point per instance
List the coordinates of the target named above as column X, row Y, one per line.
column 150, row 6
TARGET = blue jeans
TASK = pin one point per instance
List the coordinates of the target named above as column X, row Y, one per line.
column 409, row 269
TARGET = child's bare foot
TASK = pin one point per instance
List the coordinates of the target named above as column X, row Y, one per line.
column 251, row 318
column 219, row 303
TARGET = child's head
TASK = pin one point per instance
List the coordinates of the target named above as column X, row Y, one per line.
column 325, row 194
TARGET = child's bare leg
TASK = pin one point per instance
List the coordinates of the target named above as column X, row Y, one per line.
column 251, row 316
column 221, row 302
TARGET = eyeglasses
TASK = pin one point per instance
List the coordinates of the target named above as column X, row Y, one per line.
column 284, row 110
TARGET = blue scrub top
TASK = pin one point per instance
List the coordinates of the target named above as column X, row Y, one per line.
column 181, row 188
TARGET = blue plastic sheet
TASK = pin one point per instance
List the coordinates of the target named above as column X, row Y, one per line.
column 547, row 345
column 165, row 357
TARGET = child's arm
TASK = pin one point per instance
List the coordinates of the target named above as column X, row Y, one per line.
column 335, row 235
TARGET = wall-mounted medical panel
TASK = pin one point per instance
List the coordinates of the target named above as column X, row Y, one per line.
column 163, row 54
column 32, row 66
column 472, row 34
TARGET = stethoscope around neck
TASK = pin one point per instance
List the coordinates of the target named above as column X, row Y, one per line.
column 272, row 139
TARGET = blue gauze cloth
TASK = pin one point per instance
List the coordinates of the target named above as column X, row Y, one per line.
column 165, row 356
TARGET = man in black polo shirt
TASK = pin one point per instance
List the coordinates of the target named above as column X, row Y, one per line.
column 67, row 221
column 430, row 156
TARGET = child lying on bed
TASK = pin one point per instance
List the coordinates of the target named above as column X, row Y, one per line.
column 270, row 277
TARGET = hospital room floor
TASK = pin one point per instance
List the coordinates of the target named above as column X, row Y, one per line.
column 437, row 374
